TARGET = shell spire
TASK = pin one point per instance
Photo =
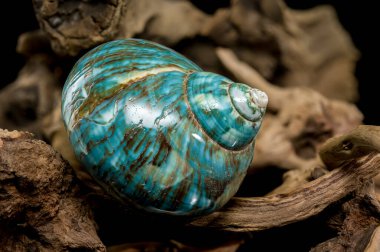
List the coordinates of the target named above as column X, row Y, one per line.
column 250, row 102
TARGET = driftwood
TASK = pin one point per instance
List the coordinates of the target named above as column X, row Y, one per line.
column 31, row 97
column 241, row 214
column 40, row 202
column 73, row 26
column 298, row 120
column 355, row 221
column 290, row 48
column 273, row 38
column 158, row 20
column 308, row 200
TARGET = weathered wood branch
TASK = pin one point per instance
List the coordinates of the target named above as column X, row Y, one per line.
column 241, row 214
column 355, row 221
column 41, row 206
column 251, row 214
column 31, row 97
column 73, row 26
column 291, row 48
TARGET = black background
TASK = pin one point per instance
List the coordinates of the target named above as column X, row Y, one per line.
column 358, row 18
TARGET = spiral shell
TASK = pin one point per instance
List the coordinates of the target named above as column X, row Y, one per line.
column 158, row 132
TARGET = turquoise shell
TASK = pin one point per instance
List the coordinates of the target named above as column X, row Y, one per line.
column 158, row 132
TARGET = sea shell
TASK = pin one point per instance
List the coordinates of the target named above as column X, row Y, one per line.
column 158, row 132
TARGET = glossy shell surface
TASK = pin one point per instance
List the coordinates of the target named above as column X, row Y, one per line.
column 158, row 132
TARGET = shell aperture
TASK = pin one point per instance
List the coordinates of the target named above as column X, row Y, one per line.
column 158, row 132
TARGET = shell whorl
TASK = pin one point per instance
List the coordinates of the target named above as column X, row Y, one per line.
column 230, row 113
